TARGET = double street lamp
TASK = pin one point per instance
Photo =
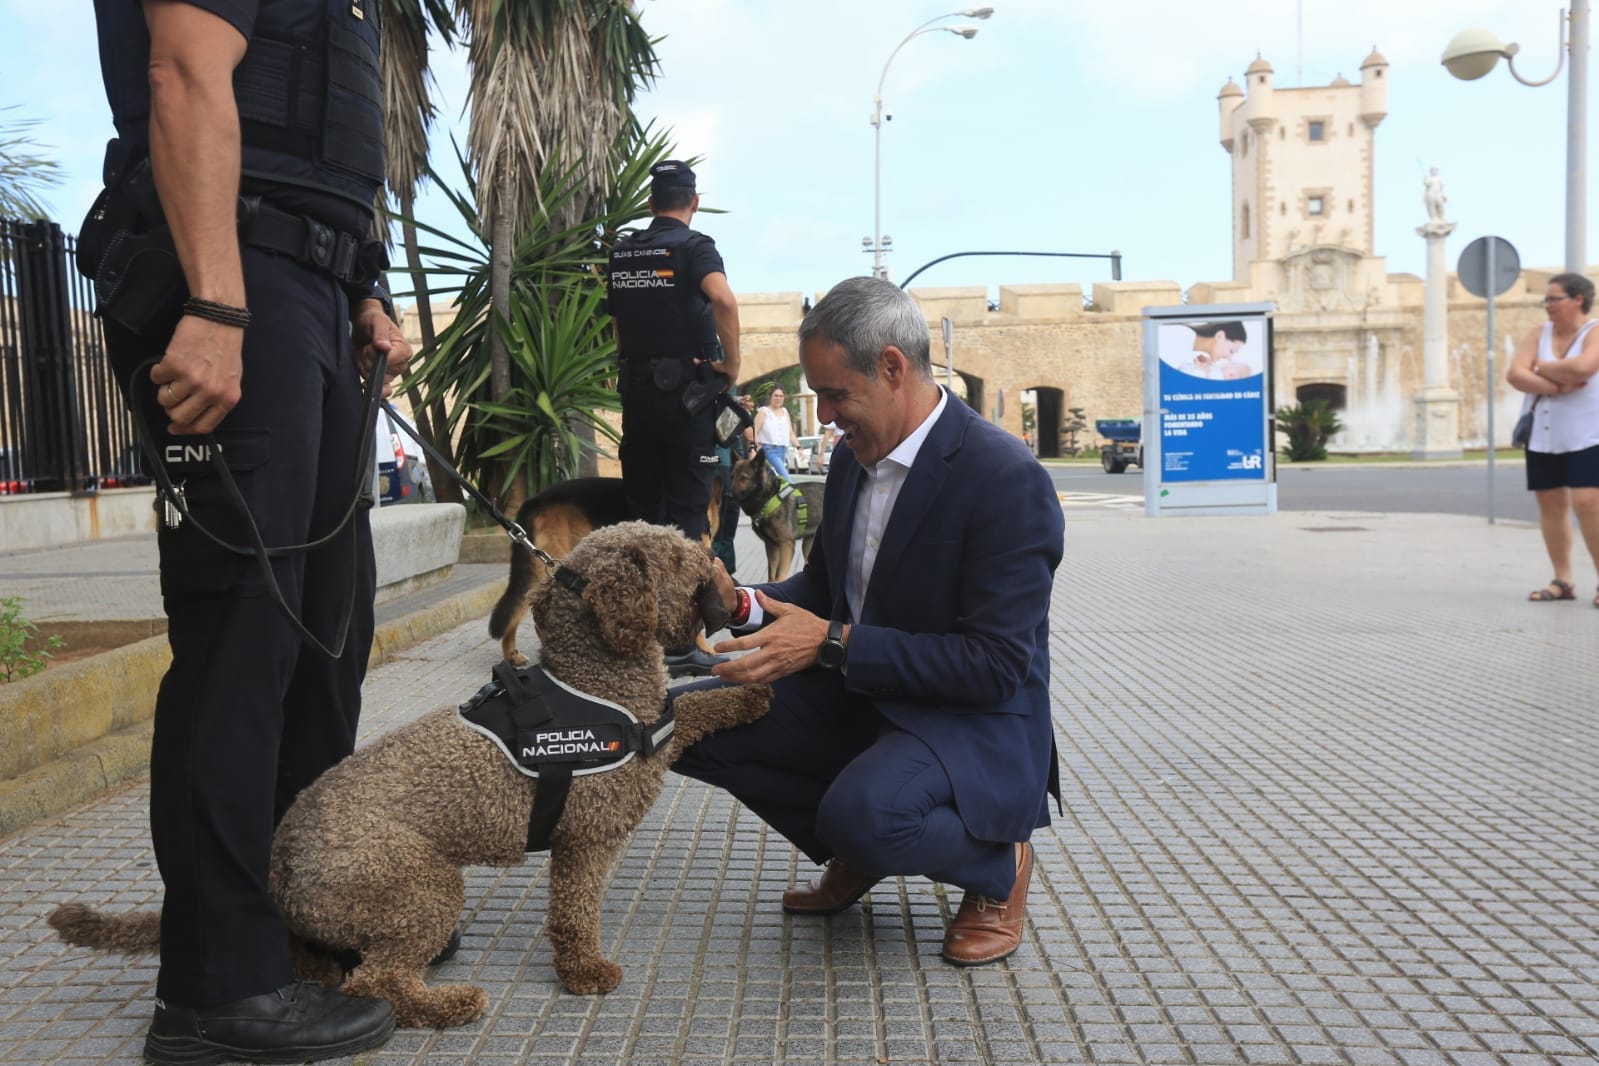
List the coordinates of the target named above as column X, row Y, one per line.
column 878, row 244
column 1473, row 53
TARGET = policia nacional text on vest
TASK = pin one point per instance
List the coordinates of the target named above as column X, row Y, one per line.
column 665, row 319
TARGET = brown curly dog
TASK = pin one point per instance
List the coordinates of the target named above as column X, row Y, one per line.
column 556, row 519
column 369, row 857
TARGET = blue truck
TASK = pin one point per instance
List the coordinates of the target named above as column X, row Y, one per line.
column 1121, row 443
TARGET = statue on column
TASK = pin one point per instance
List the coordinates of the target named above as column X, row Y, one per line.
column 1433, row 194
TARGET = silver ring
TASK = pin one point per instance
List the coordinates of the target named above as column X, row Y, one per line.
column 172, row 395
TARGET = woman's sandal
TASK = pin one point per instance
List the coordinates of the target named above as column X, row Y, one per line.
column 1566, row 592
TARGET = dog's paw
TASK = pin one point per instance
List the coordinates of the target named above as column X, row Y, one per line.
column 755, row 701
column 590, row 978
column 518, row 659
column 457, row 1005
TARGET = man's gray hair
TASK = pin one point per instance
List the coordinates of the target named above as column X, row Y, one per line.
column 866, row 315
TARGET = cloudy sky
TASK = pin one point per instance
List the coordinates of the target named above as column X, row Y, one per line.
column 1063, row 126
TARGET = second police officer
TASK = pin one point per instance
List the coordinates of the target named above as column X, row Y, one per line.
column 677, row 334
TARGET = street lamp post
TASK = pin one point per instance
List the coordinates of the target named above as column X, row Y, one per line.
column 877, row 244
column 1473, row 53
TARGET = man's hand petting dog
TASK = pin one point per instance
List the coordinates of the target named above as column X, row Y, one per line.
column 786, row 645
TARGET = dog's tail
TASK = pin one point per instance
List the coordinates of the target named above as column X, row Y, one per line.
column 133, row 933
column 596, row 501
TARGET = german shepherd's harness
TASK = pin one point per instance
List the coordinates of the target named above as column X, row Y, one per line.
column 763, row 519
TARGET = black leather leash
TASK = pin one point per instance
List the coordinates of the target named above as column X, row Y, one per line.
column 564, row 574
column 173, row 497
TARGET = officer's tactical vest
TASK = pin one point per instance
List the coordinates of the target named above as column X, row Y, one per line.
column 553, row 732
column 662, row 310
column 310, row 97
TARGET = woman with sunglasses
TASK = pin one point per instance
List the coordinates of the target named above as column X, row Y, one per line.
column 1553, row 366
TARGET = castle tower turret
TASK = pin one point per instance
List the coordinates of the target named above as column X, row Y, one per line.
column 1227, row 102
column 1373, row 89
column 1262, row 101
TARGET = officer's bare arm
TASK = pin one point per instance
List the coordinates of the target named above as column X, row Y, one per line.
column 724, row 311
column 194, row 155
column 194, row 142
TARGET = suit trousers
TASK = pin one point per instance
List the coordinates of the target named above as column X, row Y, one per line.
column 827, row 771
column 246, row 716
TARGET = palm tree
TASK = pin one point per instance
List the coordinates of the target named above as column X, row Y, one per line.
column 23, row 173
column 551, row 80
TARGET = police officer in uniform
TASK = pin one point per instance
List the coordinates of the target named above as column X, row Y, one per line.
column 252, row 131
column 677, row 332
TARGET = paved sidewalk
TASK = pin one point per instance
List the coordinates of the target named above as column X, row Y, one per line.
column 1331, row 796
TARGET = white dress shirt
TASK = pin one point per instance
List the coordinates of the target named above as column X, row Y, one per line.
column 880, row 487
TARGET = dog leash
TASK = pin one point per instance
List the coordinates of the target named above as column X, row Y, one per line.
column 564, row 574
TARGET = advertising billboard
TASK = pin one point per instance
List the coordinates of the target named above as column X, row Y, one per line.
column 1207, row 410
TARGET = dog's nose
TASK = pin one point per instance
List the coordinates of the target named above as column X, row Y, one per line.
column 712, row 611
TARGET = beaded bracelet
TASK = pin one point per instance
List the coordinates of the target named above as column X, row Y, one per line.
column 222, row 314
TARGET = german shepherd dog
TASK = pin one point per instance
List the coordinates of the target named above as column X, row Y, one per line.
column 555, row 520
column 780, row 513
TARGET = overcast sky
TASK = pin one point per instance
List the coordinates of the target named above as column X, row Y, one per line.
column 1062, row 126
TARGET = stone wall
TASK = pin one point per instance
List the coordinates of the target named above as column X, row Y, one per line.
column 1341, row 321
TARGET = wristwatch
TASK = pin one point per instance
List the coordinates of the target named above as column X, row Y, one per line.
column 830, row 656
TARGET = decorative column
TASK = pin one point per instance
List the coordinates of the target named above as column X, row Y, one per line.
column 1437, row 406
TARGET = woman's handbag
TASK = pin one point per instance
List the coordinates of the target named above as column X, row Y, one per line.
column 1523, row 431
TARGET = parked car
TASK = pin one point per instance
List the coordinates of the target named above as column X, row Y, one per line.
column 402, row 472
column 810, row 458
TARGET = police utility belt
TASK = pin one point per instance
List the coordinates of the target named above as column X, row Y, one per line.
column 553, row 732
column 125, row 246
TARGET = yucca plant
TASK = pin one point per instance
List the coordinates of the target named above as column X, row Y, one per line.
column 558, row 339
column 1308, row 426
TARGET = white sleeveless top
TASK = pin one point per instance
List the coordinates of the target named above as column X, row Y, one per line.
column 775, row 430
column 1569, row 422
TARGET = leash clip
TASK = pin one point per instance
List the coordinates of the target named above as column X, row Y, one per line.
column 173, row 506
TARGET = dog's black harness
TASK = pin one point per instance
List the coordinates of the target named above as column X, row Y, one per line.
column 553, row 732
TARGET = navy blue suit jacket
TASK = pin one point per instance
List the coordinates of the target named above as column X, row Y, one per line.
column 952, row 644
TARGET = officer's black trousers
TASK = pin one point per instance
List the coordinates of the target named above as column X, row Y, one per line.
column 668, row 457
column 247, row 715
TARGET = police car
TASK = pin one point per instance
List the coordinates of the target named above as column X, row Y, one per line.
column 402, row 472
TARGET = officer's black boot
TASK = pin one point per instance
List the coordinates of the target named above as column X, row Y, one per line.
column 301, row 1022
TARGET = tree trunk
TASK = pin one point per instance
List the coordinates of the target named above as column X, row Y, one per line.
column 503, row 243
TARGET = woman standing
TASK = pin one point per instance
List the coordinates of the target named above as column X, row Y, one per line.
column 774, row 432
column 1553, row 365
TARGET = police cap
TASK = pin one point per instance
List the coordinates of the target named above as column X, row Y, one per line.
column 671, row 174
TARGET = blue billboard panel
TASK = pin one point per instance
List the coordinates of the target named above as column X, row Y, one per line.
column 1212, row 390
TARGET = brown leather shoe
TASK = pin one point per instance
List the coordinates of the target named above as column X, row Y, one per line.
column 837, row 888
column 986, row 930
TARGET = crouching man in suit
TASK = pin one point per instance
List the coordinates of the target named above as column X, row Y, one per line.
column 910, row 728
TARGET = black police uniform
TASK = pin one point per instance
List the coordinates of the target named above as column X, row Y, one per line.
column 246, row 716
column 668, row 453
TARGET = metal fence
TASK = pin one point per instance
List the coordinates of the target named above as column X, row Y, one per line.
column 63, row 425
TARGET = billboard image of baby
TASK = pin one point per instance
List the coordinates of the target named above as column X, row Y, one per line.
column 1216, row 351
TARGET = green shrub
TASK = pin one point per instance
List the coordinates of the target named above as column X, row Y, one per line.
column 16, row 633
column 1308, row 426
